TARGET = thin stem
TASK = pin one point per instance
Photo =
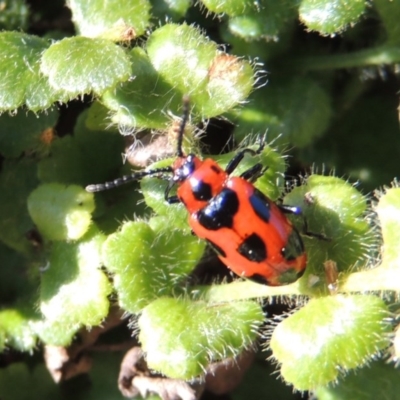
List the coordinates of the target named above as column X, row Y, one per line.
column 243, row 290
column 377, row 279
column 375, row 56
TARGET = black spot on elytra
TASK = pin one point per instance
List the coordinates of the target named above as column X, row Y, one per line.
column 258, row 279
column 294, row 246
column 216, row 248
column 261, row 205
column 215, row 169
column 201, row 190
column 253, row 248
column 220, row 211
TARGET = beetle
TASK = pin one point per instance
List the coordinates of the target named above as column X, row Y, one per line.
column 250, row 233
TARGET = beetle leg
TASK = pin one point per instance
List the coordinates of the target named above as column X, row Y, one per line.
column 239, row 156
column 253, row 173
column 297, row 211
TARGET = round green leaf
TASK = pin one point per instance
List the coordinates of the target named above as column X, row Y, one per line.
column 336, row 209
column 388, row 210
column 149, row 262
column 17, row 329
column 141, row 101
column 167, row 10
column 267, row 21
column 25, row 132
column 388, row 12
column 194, row 333
column 330, row 16
column 329, row 335
column 17, row 180
column 105, row 65
column 73, row 291
column 295, row 111
column 180, row 61
column 61, row 212
column 190, row 62
column 14, row 15
column 18, row 376
column 370, row 382
column 75, row 159
column 113, row 19
column 230, row 7
column 21, row 80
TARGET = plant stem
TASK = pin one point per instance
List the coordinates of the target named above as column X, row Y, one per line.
column 377, row 279
column 242, row 290
column 376, row 56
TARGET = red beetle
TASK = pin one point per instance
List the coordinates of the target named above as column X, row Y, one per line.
column 249, row 232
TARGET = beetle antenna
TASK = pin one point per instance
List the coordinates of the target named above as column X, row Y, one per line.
column 185, row 118
column 99, row 187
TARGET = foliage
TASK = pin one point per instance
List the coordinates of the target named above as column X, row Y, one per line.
column 318, row 76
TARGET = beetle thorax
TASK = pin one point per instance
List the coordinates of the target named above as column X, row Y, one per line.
column 184, row 167
column 199, row 181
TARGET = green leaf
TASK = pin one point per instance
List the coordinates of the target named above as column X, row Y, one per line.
column 179, row 61
column 14, row 275
column 17, row 180
column 105, row 65
column 25, row 132
column 97, row 118
column 139, row 103
column 388, row 12
column 396, row 345
column 260, row 382
column 336, row 209
column 329, row 17
column 22, row 82
column 61, row 212
column 267, row 21
column 193, row 64
column 103, row 379
column 114, row 19
column 91, row 145
column 80, row 158
column 340, row 149
column 74, row 290
column 329, row 335
column 65, row 165
column 292, row 110
column 371, row 382
column 17, row 328
column 388, row 210
column 167, row 10
column 22, row 382
column 14, row 15
column 114, row 206
column 263, row 50
column 230, row 7
column 386, row 275
column 149, row 262
column 182, row 345
column 255, row 20
column 153, row 190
